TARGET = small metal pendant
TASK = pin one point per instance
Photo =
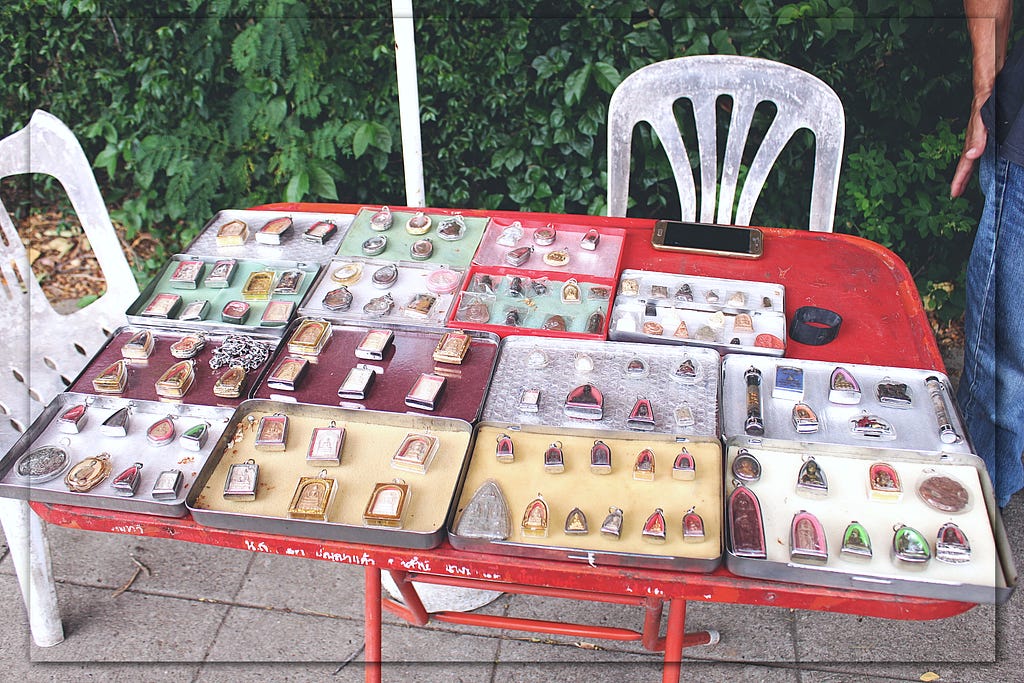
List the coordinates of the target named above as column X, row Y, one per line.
column 895, row 394
column 643, row 466
column 320, row 232
column 139, row 346
column 599, row 293
column 242, row 480
column 544, row 236
column 419, row 306
column 443, row 281
column 188, row 346
column 313, row 497
column 652, row 328
column 221, row 274
column 375, row 344
column 385, row 277
column 511, row 235
column 811, row 480
column 693, row 526
column 277, row 313
column 871, row 427
column 187, row 274
column 88, row 473
column 127, row 482
column 586, row 402
column 684, row 416
column 486, row 516
column 935, row 390
column 743, row 324
column 659, row 291
column 951, row 545
column 636, row 368
column 518, row 256
column 426, row 391
column 195, row 311
column 515, row 287
column 746, row 526
column 474, row 311
column 272, row 432
column 843, row 388
column 909, row 547
column 745, row 466
column 539, row 286
column 687, row 372
column 421, row 250
column 612, row 525
column 310, row 337
column 884, row 483
column 113, row 379
column 232, row 234
column 590, row 240
column 856, row 543
column 347, row 273
column 288, row 282
column 804, row 419
column 415, row 453
column 537, row 359
column 379, row 306
column 641, row 417
column 167, row 485
column 357, row 382
column 555, row 323
column 72, row 420
column 452, row 228
column 325, row 445
column 576, row 523
column 557, row 258
column 582, row 363
column 504, row 451
column 944, row 493
column 554, row 460
column 230, row 383
column 769, row 341
column 163, row 305
column 235, row 312
column 258, row 286
column 512, row 317
column 418, row 224
column 600, row 458
column 706, row 333
column 712, row 296
column 754, row 424
column 42, row 464
column 535, row 518
column 683, row 467
column 387, row 504
column 161, row 432
column 737, row 300
column 807, row 542
column 529, row 400
column 274, row 230
column 654, row 528
column 595, row 323
column 117, row 423
column 195, row 436
column 382, row 219
column 452, row 347
column 288, row 374
column 571, row 293
column 789, row 383
column 684, row 294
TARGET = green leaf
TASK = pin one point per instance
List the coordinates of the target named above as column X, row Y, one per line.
column 362, row 139
column 606, row 76
column 576, row 84
column 107, row 159
column 322, row 184
column 297, row 188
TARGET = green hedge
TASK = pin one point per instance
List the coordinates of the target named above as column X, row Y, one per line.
column 230, row 103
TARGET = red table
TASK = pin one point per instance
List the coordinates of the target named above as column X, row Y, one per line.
column 883, row 324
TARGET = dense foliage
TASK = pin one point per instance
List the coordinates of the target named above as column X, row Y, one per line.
column 230, row 103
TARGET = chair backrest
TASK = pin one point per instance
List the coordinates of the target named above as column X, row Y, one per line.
column 802, row 101
column 43, row 349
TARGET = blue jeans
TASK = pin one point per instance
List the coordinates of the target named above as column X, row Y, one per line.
column 991, row 393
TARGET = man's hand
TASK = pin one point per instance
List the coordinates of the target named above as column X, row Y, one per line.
column 974, row 145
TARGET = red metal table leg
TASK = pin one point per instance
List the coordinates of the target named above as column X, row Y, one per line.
column 372, row 624
column 674, row 637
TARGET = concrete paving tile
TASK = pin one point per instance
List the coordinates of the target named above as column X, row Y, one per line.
column 353, row 672
column 263, row 635
column 303, row 585
column 131, row 627
column 111, row 673
column 177, row 568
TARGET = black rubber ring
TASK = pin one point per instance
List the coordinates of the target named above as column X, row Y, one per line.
column 814, row 326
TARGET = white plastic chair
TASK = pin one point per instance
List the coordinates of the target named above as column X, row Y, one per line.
column 43, row 349
column 802, row 101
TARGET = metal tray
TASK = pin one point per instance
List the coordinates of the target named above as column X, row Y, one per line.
column 294, row 246
column 457, row 254
column 631, row 311
column 371, row 438
column 142, row 375
column 514, row 373
column 522, row 480
column 218, row 297
column 411, row 281
column 124, row 451
column 915, row 427
column 408, row 356
column 990, row 576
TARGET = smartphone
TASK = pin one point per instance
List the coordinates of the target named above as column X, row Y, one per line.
column 705, row 238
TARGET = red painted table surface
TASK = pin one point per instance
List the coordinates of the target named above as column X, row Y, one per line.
column 883, row 324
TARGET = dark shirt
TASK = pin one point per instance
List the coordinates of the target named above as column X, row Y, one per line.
column 1004, row 110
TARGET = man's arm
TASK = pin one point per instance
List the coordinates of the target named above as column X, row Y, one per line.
column 988, row 24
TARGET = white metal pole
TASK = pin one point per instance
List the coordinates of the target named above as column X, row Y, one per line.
column 409, row 102
column 30, row 552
